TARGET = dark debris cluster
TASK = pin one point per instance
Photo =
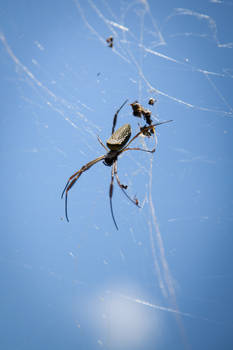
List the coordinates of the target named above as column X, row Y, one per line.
column 109, row 40
column 141, row 112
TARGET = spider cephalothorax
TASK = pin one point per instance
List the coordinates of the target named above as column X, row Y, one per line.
column 117, row 143
column 110, row 158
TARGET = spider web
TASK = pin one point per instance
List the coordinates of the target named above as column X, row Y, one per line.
column 67, row 84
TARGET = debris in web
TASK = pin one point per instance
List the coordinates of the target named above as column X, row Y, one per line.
column 139, row 111
column 151, row 101
column 109, row 40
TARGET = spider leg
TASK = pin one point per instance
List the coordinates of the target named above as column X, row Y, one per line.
column 139, row 149
column 117, row 177
column 115, row 116
column 71, row 183
column 68, row 182
column 110, row 195
column 67, row 190
column 74, row 178
column 102, row 144
column 123, row 187
column 145, row 129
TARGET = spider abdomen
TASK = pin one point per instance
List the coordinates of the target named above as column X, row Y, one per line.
column 119, row 138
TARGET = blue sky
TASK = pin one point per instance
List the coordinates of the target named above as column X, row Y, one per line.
column 164, row 280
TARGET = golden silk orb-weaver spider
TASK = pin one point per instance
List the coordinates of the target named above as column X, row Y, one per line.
column 117, row 144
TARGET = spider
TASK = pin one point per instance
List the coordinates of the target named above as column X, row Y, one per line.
column 117, row 144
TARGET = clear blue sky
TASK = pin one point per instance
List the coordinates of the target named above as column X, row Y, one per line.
column 164, row 280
